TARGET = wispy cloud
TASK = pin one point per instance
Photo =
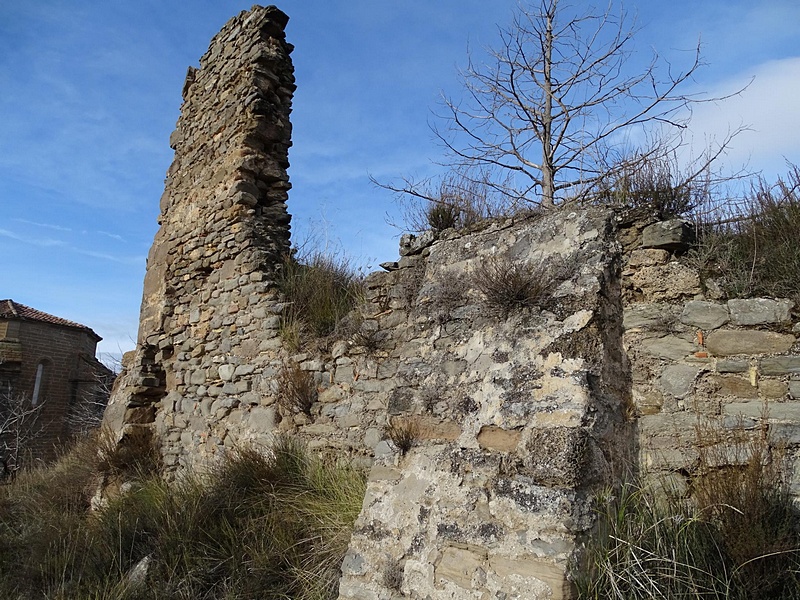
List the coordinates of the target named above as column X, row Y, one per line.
column 45, row 225
column 125, row 260
column 34, row 241
column 113, row 236
column 767, row 108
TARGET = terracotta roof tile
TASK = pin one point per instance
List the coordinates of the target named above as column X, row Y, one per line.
column 14, row 310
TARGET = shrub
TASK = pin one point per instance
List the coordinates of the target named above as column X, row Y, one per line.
column 658, row 187
column 297, row 390
column 319, row 291
column 508, row 285
column 756, row 253
column 459, row 200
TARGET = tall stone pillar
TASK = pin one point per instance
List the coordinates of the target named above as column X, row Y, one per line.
column 204, row 329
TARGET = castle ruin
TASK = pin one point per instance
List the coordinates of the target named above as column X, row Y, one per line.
column 520, row 418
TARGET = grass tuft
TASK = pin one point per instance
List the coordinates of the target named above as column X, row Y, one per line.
column 272, row 524
column 508, row 285
column 319, row 290
column 297, row 390
column 735, row 537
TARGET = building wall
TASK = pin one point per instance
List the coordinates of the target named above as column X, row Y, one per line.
column 70, row 373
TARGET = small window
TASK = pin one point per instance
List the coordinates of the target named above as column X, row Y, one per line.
column 37, row 386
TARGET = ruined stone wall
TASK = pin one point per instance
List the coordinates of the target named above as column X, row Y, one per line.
column 519, row 417
column 516, row 417
column 207, row 323
column 708, row 373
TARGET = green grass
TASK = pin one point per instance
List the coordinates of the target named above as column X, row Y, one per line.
column 258, row 525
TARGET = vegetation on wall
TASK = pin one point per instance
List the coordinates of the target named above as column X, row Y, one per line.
column 754, row 251
column 734, row 534
column 319, row 289
column 258, row 525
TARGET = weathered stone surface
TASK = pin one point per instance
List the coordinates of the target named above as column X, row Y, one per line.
column 648, row 257
column 648, row 316
column 780, row 365
column 532, row 567
column 669, row 282
column 676, row 234
column 772, row 389
column 731, row 385
column 669, row 346
column 461, row 565
column 758, row 311
column 497, row 438
column 732, row 366
column 794, row 389
column 556, row 456
column 678, row 380
column 411, row 244
column 778, row 411
column 705, row 315
column 732, row 342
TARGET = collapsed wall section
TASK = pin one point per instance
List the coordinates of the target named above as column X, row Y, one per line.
column 208, row 291
column 490, row 426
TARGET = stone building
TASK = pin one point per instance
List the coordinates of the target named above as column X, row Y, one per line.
column 49, row 375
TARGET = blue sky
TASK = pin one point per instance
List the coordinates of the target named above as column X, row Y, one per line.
column 90, row 92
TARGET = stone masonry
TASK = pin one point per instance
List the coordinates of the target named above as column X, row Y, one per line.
column 516, row 418
column 207, row 309
column 708, row 373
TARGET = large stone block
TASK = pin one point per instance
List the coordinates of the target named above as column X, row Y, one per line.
column 758, row 311
column 676, row 234
column 733, row 342
column 704, row 315
column 780, row 365
column 556, row 456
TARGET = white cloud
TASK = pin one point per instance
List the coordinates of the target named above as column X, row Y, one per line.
column 768, row 108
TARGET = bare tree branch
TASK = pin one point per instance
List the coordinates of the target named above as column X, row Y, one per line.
column 558, row 100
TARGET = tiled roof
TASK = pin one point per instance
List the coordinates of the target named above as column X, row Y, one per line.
column 14, row 310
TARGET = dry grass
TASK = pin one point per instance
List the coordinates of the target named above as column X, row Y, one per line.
column 272, row 524
column 319, row 290
column 736, row 537
column 297, row 391
column 756, row 253
column 508, row 285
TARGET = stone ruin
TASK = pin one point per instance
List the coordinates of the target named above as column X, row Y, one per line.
column 519, row 418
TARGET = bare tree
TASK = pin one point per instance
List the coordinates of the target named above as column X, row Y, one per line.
column 558, row 109
column 19, row 428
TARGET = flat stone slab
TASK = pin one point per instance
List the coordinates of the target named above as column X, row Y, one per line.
column 669, row 346
column 780, row 365
column 732, row 342
column 779, row 411
column 650, row 316
column 704, row 315
column 759, row 311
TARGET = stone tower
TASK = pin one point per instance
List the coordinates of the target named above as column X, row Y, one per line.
column 224, row 227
